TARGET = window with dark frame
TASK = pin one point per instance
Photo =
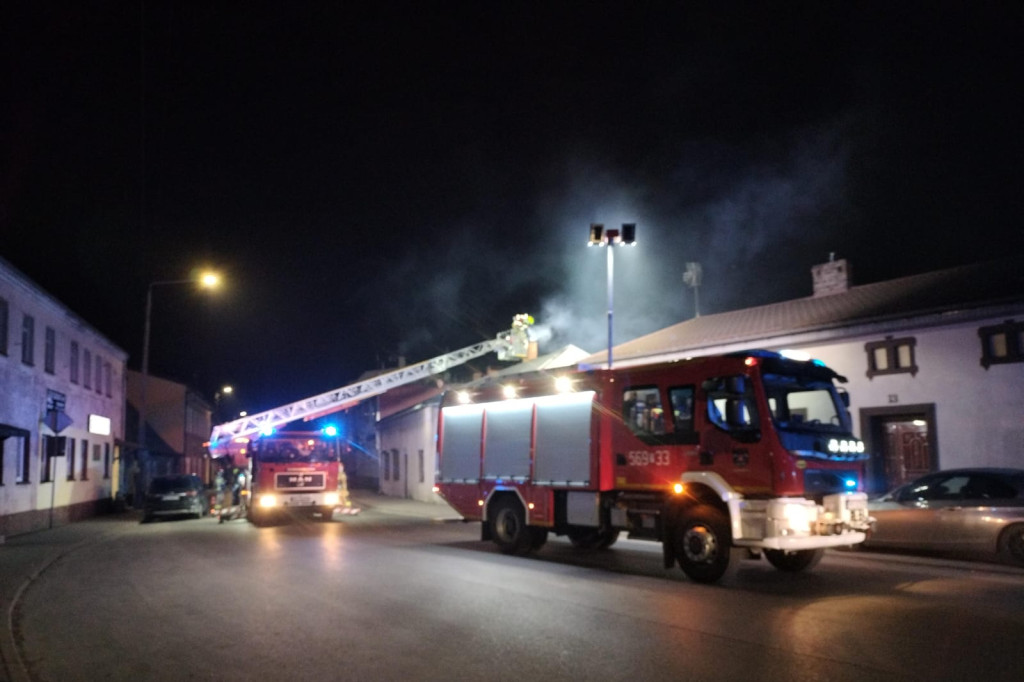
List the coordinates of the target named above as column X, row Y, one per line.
column 5, row 311
column 50, row 351
column 53, row 447
column 99, row 374
column 385, row 458
column 71, row 459
column 891, row 356
column 106, row 460
column 397, row 470
column 85, row 460
column 86, row 368
column 28, row 340
column 74, row 362
column 1002, row 343
column 23, row 458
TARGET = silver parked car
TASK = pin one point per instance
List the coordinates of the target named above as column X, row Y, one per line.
column 974, row 511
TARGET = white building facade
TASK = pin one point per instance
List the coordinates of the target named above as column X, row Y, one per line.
column 62, row 408
column 408, row 452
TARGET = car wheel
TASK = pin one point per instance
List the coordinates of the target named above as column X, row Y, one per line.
column 794, row 562
column 1011, row 544
column 703, row 543
column 509, row 529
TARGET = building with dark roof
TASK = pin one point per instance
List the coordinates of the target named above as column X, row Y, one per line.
column 935, row 361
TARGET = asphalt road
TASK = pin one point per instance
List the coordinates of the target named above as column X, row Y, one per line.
column 388, row 597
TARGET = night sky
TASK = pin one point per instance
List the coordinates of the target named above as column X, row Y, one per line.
column 377, row 179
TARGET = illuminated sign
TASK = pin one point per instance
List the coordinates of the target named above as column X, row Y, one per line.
column 99, row 425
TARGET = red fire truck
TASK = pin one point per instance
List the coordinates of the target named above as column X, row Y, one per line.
column 717, row 458
column 295, row 473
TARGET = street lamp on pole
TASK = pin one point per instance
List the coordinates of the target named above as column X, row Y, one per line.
column 610, row 238
column 222, row 393
column 207, row 280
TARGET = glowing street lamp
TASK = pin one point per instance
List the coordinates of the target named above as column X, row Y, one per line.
column 206, row 280
column 225, row 390
column 601, row 237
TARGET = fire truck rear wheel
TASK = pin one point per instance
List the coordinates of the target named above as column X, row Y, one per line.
column 793, row 562
column 593, row 538
column 509, row 529
column 702, row 543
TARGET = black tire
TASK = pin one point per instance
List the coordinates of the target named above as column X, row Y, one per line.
column 703, row 542
column 147, row 519
column 508, row 527
column 593, row 538
column 327, row 514
column 794, row 562
column 538, row 537
column 1011, row 544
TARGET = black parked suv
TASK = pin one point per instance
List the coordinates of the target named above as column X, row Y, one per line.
column 176, row 495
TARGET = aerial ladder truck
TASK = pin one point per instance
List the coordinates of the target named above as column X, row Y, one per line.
column 301, row 472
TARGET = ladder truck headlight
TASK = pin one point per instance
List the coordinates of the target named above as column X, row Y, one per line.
column 267, row 501
column 332, row 499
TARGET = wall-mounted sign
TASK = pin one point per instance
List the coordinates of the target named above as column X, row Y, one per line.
column 55, row 401
column 99, row 425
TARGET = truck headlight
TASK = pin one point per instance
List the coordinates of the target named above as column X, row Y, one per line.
column 332, row 499
column 798, row 517
column 268, row 501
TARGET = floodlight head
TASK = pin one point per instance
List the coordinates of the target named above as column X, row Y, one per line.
column 629, row 233
column 596, row 234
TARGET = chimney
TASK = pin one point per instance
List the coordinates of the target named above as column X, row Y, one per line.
column 833, row 277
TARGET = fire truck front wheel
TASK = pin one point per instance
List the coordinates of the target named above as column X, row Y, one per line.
column 703, row 543
column 508, row 527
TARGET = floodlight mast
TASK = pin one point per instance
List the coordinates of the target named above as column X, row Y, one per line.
column 509, row 344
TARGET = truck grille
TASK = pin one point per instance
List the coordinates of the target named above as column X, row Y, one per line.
column 300, row 480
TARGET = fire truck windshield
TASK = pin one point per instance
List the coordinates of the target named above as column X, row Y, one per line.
column 802, row 404
column 279, row 450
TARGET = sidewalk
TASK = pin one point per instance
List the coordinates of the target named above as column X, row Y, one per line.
column 368, row 500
